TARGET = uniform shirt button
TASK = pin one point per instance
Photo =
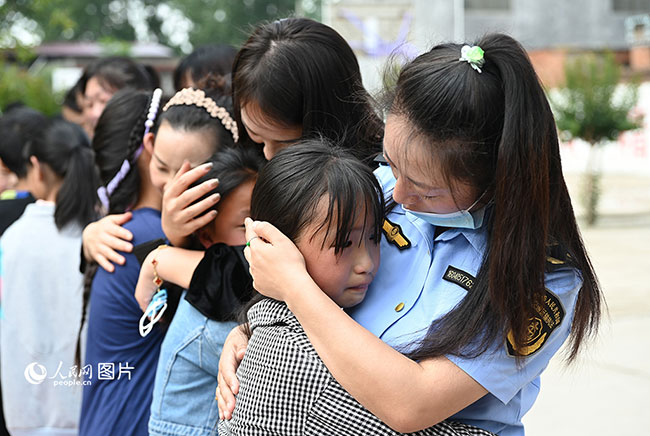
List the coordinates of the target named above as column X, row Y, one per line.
column 399, row 307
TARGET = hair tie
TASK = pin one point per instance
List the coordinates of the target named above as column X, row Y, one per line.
column 473, row 55
column 197, row 97
column 104, row 192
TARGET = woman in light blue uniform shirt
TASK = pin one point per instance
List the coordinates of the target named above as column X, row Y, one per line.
column 483, row 273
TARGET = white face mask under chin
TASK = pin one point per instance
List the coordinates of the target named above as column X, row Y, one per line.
column 462, row 219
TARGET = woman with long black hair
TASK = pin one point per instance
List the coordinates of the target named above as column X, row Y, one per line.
column 483, row 273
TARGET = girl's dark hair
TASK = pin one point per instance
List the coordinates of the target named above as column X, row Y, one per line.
column 117, row 72
column 118, row 135
column 64, row 148
column 291, row 185
column 303, row 73
column 495, row 130
column 204, row 61
column 17, row 127
column 232, row 166
column 193, row 118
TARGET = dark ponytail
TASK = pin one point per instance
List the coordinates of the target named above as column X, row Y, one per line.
column 495, row 130
column 65, row 149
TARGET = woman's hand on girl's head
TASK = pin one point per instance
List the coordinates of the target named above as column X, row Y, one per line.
column 274, row 260
column 231, row 356
column 145, row 288
column 104, row 238
column 179, row 210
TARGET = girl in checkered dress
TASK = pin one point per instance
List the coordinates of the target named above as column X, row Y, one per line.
column 331, row 206
column 483, row 275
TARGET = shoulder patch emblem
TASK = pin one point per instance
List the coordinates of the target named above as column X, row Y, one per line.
column 548, row 316
column 394, row 235
column 461, row 278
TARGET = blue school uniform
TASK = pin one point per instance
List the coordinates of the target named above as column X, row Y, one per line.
column 422, row 277
column 118, row 388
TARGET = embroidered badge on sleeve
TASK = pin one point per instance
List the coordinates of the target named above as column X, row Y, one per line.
column 548, row 316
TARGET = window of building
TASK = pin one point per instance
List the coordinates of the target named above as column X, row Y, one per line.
column 498, row 5
column 629, row 5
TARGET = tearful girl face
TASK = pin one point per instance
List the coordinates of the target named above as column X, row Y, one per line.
column 343, row 276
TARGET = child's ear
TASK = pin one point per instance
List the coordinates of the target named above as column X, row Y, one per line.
column 35, row 178
column 206, row 238
column 36, row 168
column 148, row 142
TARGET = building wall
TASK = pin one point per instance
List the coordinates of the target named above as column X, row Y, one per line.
column 548, row 29
column 551, row 30
column 544, row 24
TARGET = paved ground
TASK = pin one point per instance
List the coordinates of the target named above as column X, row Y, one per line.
column 607, row 391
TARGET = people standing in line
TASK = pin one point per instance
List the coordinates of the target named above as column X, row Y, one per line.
column 17, row 128
column 284, row 104
column 42, row 287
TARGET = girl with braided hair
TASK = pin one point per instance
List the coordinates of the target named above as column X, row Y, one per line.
column 139, row 145
column 114, row 402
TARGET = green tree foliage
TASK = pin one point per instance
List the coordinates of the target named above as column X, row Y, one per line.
column 592, row 106
column 57, row 20
column 17, row 84
column 181, row 24
column 229, row 21
column 595, row 107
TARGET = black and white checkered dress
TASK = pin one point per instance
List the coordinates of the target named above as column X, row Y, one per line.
column 285, row 389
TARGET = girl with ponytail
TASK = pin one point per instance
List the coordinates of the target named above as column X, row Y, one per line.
column 42, row 287
column 483, row 275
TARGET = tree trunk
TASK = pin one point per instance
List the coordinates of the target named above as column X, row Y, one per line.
column 593, row 174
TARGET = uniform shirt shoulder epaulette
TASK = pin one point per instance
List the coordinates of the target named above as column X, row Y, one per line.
column 558, row 257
